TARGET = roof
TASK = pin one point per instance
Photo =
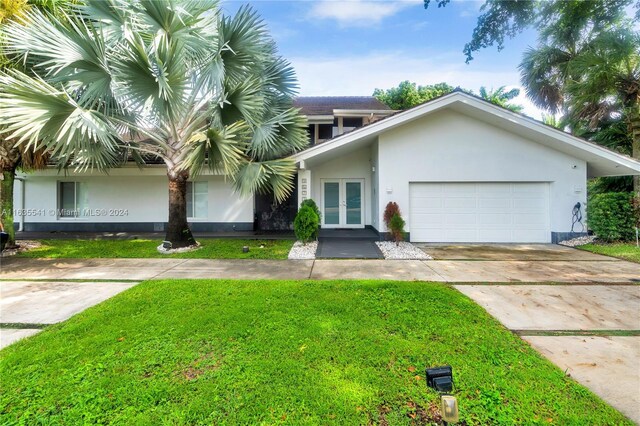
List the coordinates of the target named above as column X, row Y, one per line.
column 325, row 105
column 601, row 161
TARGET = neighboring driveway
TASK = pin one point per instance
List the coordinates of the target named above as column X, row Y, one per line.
column 27, row 306
column 590, row 331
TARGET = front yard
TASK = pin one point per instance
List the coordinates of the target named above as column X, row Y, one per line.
column 284, row 352
column 626, row 251
column 210, row 249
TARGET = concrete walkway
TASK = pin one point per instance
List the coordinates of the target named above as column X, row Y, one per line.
column 608, row 270
column 32, row 305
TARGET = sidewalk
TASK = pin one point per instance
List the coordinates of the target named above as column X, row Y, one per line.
column 454, row 271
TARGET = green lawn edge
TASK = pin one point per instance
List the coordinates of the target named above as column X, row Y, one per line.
column 285, row 352
column 624, row 251
column 210, row 248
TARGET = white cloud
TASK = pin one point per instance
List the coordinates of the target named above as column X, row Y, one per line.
column 358, row 13
column 360, row 75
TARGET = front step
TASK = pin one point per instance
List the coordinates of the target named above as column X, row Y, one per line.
column 365, row 234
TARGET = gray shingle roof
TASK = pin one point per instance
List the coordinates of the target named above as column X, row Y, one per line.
column 324, row 105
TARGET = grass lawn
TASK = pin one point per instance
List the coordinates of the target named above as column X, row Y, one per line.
column 284, row 352
column 620, row 250
column 211, row 249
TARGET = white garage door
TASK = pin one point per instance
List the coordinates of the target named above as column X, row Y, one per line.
column 479, row 212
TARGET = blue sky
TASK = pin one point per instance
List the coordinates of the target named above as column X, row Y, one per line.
column 351, row 47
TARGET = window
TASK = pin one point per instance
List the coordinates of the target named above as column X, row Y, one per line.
column 197, row 200
column 72, row 199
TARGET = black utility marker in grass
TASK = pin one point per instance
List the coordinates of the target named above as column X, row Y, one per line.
column 285, row 352
column 210, row 249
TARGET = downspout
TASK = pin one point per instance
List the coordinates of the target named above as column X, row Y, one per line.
column 23, row 186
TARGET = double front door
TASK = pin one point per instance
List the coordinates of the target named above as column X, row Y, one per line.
column 342, row 203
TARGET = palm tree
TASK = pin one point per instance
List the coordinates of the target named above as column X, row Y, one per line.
column 14, row 157
column 587, row 67
column 172, row 79
column 502, row 97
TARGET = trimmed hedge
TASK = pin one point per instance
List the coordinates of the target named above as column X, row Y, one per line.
column 611, row 216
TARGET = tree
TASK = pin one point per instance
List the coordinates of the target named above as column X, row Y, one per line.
column 501, row 97
column 506, row 19
column 175, row 80
column 586, row 65
column 590, row 72
column 407, row 95
column 12, row 156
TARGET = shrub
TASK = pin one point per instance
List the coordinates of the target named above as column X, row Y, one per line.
column 309, row 202
column 305, row 225
column 396, row 226
column 389, row 211
column 611, row 216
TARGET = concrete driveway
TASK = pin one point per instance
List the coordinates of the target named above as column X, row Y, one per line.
column 27, row 306
column 590, row 331
column 511, row 252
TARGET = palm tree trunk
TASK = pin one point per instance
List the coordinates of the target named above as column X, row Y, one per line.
column 178, row 231
column 6, row 203
column 634, row 128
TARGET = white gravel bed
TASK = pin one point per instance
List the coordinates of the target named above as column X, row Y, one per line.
column 404, row 251
column 580, row 241
column 301, row 251
column 178, row 250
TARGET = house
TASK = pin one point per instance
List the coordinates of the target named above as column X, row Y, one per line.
column 461, row 169
column 331, row 116
column 328, row 117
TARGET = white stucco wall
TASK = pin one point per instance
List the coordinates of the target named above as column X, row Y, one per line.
column 142, row 194
column 451, row 147
column 375, row 186
column 354, row 165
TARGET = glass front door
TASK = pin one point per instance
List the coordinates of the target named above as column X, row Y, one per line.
column 342, row 203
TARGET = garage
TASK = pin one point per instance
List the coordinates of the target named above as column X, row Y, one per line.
column 483, row 212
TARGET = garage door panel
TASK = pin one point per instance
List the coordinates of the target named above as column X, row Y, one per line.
column 500, row 219
column 494, row 235
column 460, row 203
column 479, row 212
column 494, row 203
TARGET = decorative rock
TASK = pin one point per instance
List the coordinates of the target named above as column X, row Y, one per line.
column 580, row 241
column 301, row 251
column 403, row 251
column 163, row 250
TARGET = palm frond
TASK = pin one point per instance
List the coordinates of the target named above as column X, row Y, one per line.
column 274, row 176
column 219, row 149
column 39, row 115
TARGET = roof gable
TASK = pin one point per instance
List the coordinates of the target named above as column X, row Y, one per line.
column 602, row 161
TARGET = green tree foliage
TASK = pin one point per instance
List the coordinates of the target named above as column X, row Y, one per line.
column 396, row 226
column 176, row 80
column 407, row 95
column 14, row 157
column 502, row 97
column 611, row 216
column 586, row 65
column 310, row 203
column 305, row 224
